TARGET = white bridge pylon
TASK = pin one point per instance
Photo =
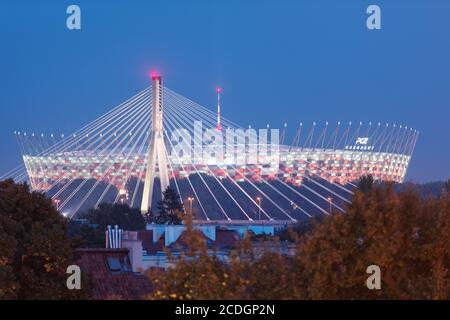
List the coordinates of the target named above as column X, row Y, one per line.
column 123, row 151
column 157, row 154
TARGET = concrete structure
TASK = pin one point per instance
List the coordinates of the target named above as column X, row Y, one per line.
column 134, row 245
column 157, row 154
column 314, row 174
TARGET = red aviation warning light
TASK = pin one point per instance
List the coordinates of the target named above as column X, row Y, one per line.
column 219, row 91
column 155, row 75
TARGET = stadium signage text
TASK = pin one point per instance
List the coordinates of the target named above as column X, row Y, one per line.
column 362, row 143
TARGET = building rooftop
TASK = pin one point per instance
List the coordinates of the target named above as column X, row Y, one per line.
column 110, row 273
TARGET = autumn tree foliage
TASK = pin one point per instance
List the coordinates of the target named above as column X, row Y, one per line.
column 200, row 274
column 406, row 236
column 196, row 274
column 35, row 250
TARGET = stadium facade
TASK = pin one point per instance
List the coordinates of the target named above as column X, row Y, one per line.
column 333, row 165
column 113, row 150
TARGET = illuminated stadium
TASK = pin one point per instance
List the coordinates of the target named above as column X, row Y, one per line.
column 222, row 171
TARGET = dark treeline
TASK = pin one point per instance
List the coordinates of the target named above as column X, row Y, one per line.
column 405, row 233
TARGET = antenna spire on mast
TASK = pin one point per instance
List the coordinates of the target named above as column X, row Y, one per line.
column 219, row 91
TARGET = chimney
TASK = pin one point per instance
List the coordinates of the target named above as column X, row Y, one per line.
column 131, row 242
column 113, row 237
column 117, row 238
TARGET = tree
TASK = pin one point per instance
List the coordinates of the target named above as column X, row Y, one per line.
column 299, row 229
column 92, row 233
column 148, row 216
column 35, row 250
column 365, row 184
column 169, row 208
column 116, row 214
column 85, row 235
column 408, row 238
column 196, row 274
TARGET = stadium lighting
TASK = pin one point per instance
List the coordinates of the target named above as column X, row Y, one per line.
column 57, row 202
column 120, row 154
column 190, row 199
column 258, row 199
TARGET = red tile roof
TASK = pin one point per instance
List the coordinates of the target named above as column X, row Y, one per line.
column 146, row 236
column 181, row 243
column 109, row 284
column 226, row 238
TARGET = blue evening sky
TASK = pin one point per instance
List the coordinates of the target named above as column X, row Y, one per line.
column 278, row 61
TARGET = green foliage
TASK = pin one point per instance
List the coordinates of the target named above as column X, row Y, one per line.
column 116, row 214
column 86, row 235
column 169, row 208
column 91, row 233
column 35, row 250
